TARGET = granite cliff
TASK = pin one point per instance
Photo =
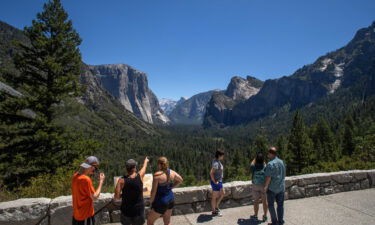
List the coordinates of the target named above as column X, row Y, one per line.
column 130, row 87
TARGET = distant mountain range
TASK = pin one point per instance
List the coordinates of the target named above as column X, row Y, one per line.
column 167, row 105
column 121, row 90
column 191, row 111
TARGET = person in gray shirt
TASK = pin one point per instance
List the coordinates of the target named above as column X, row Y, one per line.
column 216, row 175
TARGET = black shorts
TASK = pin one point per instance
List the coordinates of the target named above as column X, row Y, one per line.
column 137, row 220
column 161, row 209
column 88, row 221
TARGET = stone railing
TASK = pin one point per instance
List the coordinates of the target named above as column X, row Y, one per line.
column 58, row 211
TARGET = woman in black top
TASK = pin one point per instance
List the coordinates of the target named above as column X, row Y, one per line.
column 130, row 189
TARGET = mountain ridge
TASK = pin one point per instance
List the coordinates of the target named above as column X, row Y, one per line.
column 331, row 72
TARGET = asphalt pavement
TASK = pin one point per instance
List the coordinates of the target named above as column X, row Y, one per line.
column 346, row 208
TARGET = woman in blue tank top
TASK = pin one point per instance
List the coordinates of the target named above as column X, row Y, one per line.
column 162, row 198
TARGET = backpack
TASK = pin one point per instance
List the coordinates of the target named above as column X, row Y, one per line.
column 258, row 175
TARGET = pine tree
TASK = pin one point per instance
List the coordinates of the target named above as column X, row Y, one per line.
column 49, row 67
column 260, row 144
column 348, row 145
column 299, row 145
column 282, row 148
column 325, row 145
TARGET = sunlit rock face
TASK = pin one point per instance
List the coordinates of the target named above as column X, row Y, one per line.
column 130, row 87
column 219, row 108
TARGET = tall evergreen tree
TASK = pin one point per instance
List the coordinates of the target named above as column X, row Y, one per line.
column 49, row 68
column 260, row 143
column 282, row 148
column 348, row 145
column 299, row 145
column 325, row 145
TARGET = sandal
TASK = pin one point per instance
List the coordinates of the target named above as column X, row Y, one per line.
column 265, row 218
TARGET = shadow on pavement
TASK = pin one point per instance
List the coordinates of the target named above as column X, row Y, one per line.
column 202, row 218
column 248, row 222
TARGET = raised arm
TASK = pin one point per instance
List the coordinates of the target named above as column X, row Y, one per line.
column 177, row 180
column 99, row 189
column 142, row 172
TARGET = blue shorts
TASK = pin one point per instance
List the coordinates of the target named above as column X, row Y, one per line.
column 216, row 187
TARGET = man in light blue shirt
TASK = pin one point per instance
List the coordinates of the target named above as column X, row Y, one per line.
column 275, row 186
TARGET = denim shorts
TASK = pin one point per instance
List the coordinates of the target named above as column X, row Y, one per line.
column 217, row 187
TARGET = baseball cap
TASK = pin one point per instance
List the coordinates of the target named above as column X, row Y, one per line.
column 131, row 163
column 90, row 162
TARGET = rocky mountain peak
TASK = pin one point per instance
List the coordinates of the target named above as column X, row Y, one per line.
column 242, row 89
column 364, row 34
column 181, row 100
column 255, row 82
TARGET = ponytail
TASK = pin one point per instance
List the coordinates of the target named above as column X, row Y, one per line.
column 164, row 166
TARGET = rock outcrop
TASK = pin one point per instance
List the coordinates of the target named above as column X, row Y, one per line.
column 219, row 108
column 192, row 110
column 130, row 87
column 240, row 89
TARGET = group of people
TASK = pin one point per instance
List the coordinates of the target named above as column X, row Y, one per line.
column 268, row 187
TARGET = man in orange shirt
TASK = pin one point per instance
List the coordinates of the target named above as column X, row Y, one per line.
column 84, row 194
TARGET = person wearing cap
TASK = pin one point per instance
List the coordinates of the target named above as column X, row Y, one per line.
column 130, row 189
column 83, row 192
column 275, row 186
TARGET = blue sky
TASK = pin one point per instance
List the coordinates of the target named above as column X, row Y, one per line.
column 191, row 46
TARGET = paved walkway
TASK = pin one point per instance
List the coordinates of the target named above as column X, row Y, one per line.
column 347, row 208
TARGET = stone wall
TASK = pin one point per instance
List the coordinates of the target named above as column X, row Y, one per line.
column 58, row 211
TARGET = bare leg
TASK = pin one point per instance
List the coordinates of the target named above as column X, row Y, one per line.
column 221, row 196
column 152, row 217
column 265, row 206
column 213, row 200
column 256, row 208
column 167, row 217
